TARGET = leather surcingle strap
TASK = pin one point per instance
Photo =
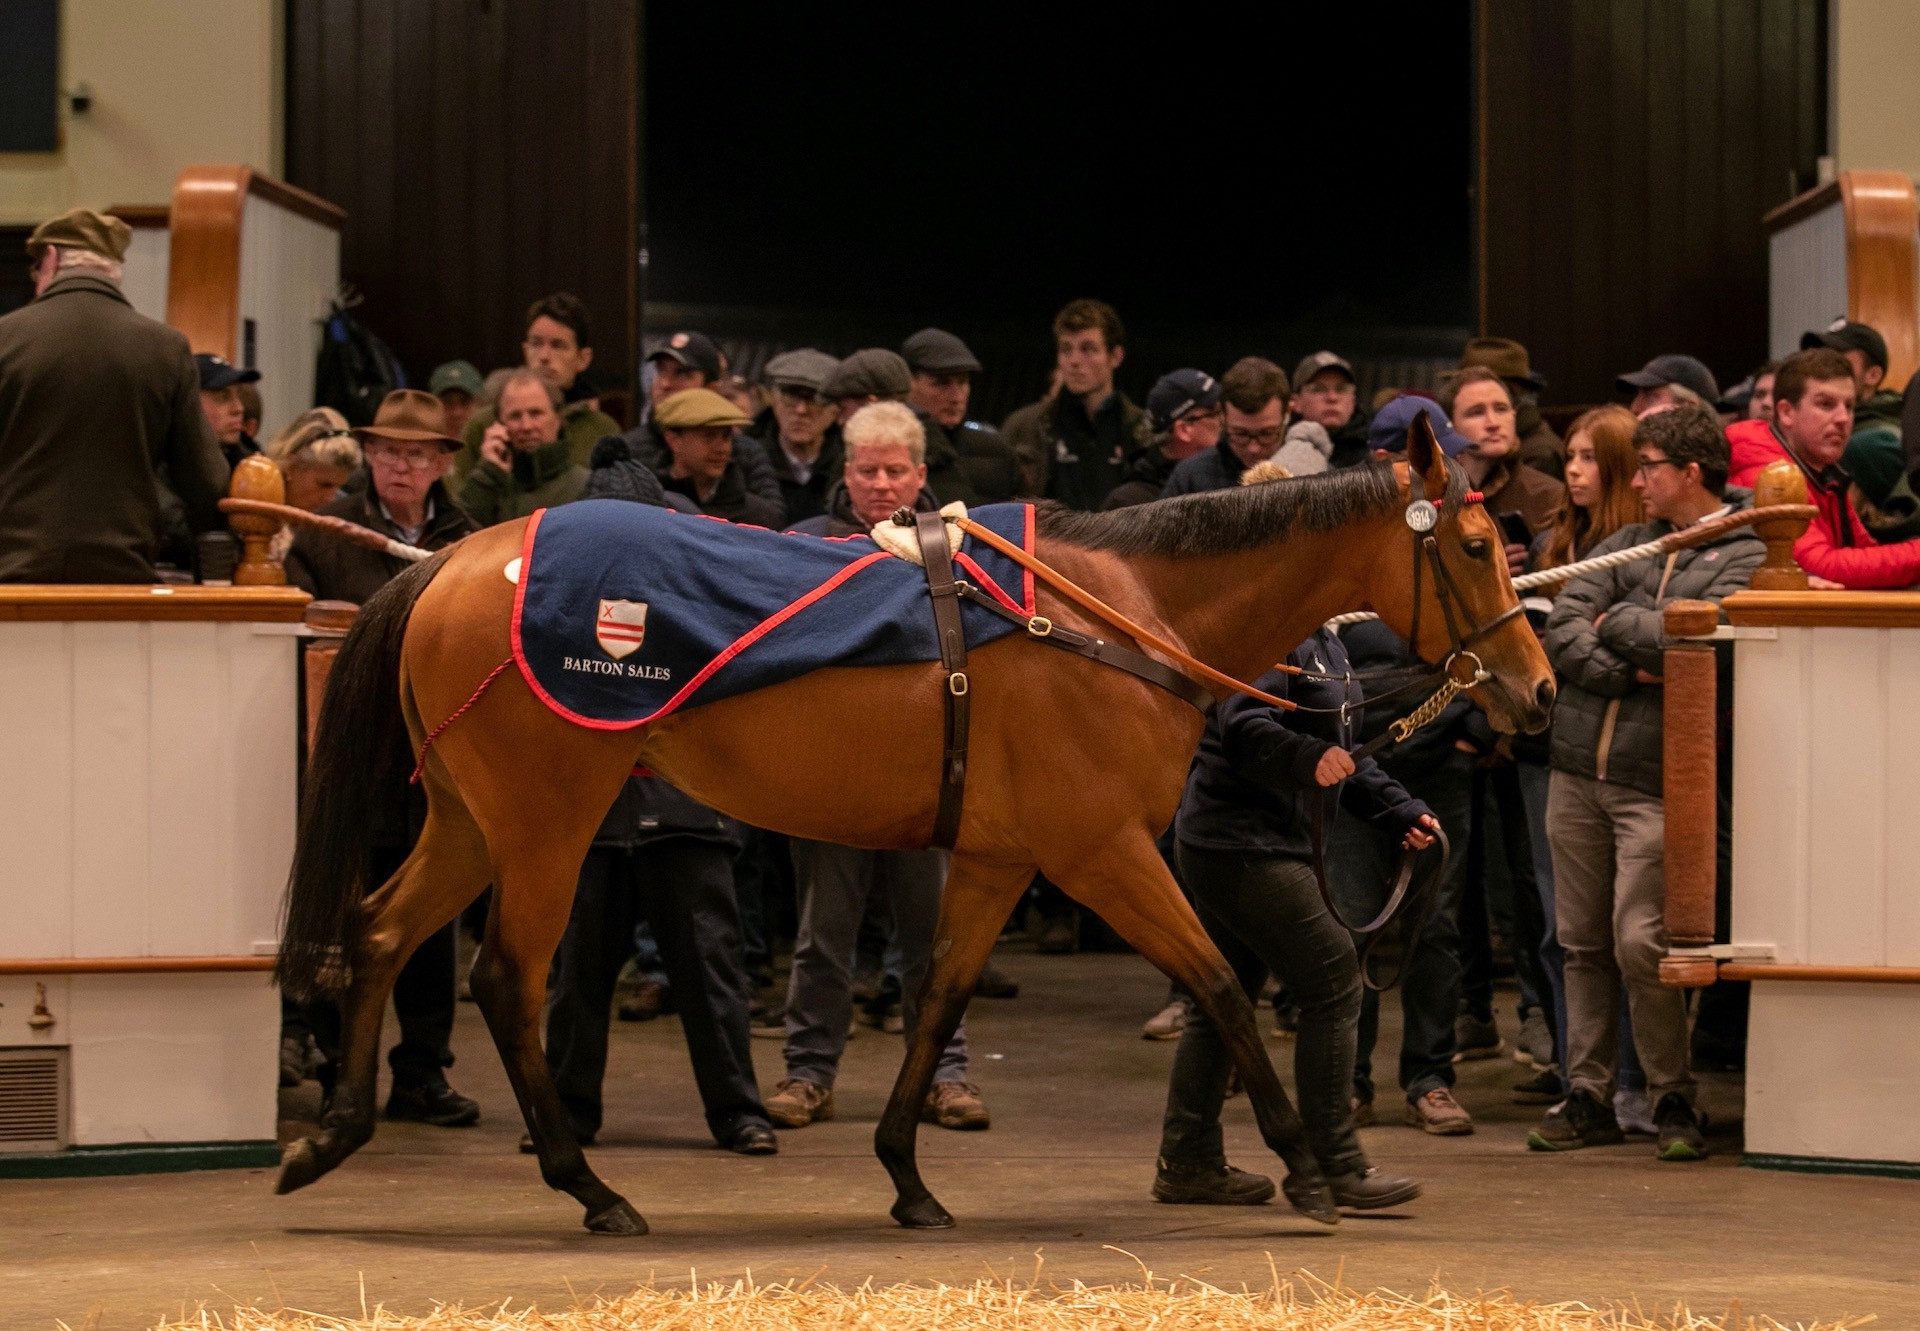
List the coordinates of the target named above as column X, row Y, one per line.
column 937, row 557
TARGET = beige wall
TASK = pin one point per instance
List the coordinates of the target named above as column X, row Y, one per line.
column 1874, row 96
column 172, row 84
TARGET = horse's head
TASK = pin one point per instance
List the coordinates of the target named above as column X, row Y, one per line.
column 1441, row 582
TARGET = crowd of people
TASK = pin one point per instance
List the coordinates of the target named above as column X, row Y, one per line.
column 114, row 441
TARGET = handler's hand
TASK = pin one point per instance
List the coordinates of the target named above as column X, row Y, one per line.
column 1516, row 559
column 1335, row 766
column 494, row 447
column 1417, row 839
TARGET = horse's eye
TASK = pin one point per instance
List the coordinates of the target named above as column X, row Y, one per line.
column 1477, row 548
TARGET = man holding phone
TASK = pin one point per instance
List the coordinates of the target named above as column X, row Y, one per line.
column 1480, row 406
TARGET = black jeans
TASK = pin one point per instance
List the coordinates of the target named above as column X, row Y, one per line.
column 686, row 887
column 1265, row 914
column 1361, row 860
column 1499, row 889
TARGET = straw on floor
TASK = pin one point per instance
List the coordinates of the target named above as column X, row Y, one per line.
column 1182, row 1304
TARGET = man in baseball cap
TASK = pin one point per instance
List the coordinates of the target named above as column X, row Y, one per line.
column 221, row 402
column 1667, row 381
column 1183, row 408
column 685, row 360
column 457, row 384
column 1326, row 392
column 1387, row 433
column 1874, row 450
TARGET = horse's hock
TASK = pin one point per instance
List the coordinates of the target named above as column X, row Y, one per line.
column 1825, row 919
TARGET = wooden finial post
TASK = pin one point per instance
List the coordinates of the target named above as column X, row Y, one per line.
column 254, row 477
column 1780, row 483
column 1688, row 762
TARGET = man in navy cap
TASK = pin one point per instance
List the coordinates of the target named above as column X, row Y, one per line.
column 221, row 402
column 1667, row 381
column 1183, row 406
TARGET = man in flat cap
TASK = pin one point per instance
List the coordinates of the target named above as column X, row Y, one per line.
column 94, row 400
column 796, row 430
column 971, row 457
column 686, row 359
column 1540, row 447
column 969, row 468
column 700, row 429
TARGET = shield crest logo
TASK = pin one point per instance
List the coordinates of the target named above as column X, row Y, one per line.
column 621, row 627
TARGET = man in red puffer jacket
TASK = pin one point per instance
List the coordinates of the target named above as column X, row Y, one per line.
column 1813, row 401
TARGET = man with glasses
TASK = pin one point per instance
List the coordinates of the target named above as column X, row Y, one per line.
column 1605, row 814
column 557, row 346
column 794, row 430
column 1184, row 409
column 408, row 453
column 1254, row 393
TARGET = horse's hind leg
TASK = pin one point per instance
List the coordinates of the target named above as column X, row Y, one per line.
column 977, row 899
column 1130, row 887
column 446, row 870
column 533, row 890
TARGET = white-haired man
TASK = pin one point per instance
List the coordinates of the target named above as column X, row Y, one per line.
column 886, row 469
column 92, row 398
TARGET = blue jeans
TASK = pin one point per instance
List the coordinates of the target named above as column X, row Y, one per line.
column 1361, row 860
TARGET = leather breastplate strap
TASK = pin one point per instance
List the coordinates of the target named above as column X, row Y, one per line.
column 937, row 557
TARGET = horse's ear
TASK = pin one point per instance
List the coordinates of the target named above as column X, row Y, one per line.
column 1424, row 456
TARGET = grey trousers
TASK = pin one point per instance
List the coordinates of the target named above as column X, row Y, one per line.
column 834, row 883
column 1610, row 902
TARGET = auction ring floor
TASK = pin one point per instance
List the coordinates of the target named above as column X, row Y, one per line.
column 426, row 1215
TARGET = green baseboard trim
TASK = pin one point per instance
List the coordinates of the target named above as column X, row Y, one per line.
column 1820, row 1164
column 158, row 1158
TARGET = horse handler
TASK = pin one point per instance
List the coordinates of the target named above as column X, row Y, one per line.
column 1243, row 845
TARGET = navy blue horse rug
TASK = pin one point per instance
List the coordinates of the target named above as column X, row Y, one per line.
column 626, row 613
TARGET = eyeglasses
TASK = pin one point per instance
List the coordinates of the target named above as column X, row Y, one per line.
column 1648, row 464
column 412, row 459
column 1272, row 435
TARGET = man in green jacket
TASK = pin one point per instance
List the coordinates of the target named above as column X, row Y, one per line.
column 558, row 346
column 525, row 462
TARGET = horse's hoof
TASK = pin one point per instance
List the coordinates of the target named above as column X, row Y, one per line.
column 619, row 1220
column 925, row 1213
column 299, row 1166
column 1314, row 1200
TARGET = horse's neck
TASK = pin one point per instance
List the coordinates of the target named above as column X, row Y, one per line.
column 1243, row 612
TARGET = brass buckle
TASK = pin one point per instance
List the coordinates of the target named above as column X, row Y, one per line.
column 957, row 684
column 1039, row 626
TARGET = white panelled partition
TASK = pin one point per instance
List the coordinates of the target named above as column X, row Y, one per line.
column 1826, row 872
column 147, row 798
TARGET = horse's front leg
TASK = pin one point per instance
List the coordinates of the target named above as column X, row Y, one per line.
column 978, row 898
column 1129, row 886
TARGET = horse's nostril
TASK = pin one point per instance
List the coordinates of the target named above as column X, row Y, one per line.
column 1544, row 694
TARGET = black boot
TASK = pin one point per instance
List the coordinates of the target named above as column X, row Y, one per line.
column 1367, row 1189
column 1209, row 1185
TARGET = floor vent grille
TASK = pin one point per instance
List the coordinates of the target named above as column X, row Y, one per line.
column 33, row 1099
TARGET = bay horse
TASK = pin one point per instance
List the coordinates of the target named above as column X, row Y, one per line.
column 1075, row 768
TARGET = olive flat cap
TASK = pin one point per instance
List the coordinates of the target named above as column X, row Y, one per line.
column 697, row 409
column 805, row 368
column 82, row 229
column 874, row 372
column 936, row 351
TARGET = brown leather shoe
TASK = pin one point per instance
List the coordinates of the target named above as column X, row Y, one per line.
column 1439, row 1113
column 956, row 1105
column 797, row 1102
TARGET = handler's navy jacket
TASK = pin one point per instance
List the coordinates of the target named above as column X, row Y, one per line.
column 1253, row 775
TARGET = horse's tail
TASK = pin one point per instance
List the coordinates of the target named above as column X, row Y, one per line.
column 350, row 777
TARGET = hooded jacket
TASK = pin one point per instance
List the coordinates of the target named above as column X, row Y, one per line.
column 581, row 424
column 542, row 478
column 1836, row 545
column 1606, row 724
column 1252, row 779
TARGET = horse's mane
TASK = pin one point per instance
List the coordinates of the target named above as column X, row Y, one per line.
column 1225, row 521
